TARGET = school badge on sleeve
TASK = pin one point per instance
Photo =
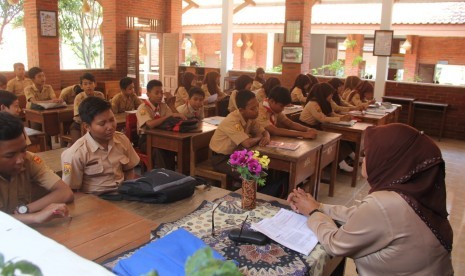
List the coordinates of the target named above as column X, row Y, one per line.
column 239, row 127
column 37, row 160
column 66, row 168
column 143, row 112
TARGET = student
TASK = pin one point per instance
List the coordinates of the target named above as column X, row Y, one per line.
column 318, row 110
column 239, row 129
column 39, row 92
column 3, row 82
column 194, row 106
column 350, row 85
column 275, row 122
column 101, row 160
column 338, row 85
column 259, row 79
column 313, row 81
column 17, row 84
column 263, row 92
column 87, row 83
column 243, row 82
column 9, row 103
column 150, row 114
column 20, row 170
column 69, row 93
column 362, row 95
column 299, row 90
column 127, row 100
column 211, row 85
column 181, row 93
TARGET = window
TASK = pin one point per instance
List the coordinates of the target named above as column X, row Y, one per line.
column 13, row 38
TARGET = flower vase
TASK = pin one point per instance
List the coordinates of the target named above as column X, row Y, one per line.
column 249, row 194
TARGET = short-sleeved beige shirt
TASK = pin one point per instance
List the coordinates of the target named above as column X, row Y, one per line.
column 189, row 111
column 88, row 167
column 121, row 103
column 181, row 96
column 232, row 131
column 147, row 111
column 18, row 189
column 267, row 117
column 297, row 96
column 312, row 115
column 256, row 85
column 79, row 98
column 17, row 86
column 32, row 93
column 232, row 101
column 208, row 94
column 67, row 94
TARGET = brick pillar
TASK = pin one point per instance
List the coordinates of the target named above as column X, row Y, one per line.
column 411, row 58
column 43, row 51
column 298, row 10
column 352, row 53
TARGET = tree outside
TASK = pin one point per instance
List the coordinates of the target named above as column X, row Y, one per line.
column 8, row 13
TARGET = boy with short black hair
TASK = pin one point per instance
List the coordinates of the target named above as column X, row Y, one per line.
column 193, row 108
column 101, row 160
column 17, row 84
column 127, row 100
column 152, row 113
column 39, row 92
column 20, row 170
column 275, row 122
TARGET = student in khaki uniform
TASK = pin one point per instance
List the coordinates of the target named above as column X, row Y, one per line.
column 243, row 82
column 299, row 90
column 239, row 129
column 194, row 106
column 181, row 93
column 150, row 114
column 87, row 83
column 17, row 84
column 9, row 103
column 20, row 170
column 211, row 86
column 259, row 79
column 127, row 100
column 263, row 92
column 39, row 92
column 102, row 159
column 69, row 93
column 271, row 116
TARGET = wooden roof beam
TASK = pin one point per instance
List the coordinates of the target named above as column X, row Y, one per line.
column 190, row 4
column 243, row 5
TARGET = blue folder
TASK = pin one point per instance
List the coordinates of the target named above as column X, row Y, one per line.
column 166, row 255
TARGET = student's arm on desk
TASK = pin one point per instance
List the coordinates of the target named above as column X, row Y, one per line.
column 156, row 122
column 292, row 129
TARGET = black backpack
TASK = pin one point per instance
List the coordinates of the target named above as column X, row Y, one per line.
column 179, row 125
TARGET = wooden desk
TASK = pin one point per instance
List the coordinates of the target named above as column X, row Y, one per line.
column 402, row 100
column 209, row 110
column 38, row 136
column 300, row 164
column 52, row 158
column 179, row 142
column 98, row 229
column 354, row 134
column 382, row 119
column 293, row 113
column 432, row 107
column 47, row 118
column 120, row 120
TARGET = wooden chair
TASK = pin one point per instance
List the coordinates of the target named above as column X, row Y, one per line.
column 65, row 119
column 222, row 107
column 200, row 164
column 131, row 132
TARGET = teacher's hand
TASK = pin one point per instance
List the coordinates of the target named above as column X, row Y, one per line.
column 302, row 202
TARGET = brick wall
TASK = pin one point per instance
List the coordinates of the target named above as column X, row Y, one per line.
column 352, row 54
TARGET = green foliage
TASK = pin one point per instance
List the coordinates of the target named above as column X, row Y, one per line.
column 277, row 68
column 336, row 67
column 8, row 14
column 350, row 44
column 9, row 268
column 357, row 60
column 202, row 263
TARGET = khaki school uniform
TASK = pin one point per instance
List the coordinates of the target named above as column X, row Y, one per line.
column 121, row 103
column 312, row 115
column 77, row 101
column 338, row 109
column 68, row 95
column 267, row 117
column 232, row 131
column 17, row 86
column 261, row 95
column 89, row 168
column 232, row 101
column 208, row 94
column 18, row 189
column 33, row 94
column 256, row 85
column 181, row 96
column 147, row 111
column 297, row 96
column 189, row 111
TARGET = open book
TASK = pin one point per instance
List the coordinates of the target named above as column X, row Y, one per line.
column 51, row 105
column 289, row 229
column 215, row 120
column 345, row 123
column 283, row 145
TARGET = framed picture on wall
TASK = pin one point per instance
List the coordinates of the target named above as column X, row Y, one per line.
column 293, row 31
column 383, row 43
column 292, row 54
column 48, row 23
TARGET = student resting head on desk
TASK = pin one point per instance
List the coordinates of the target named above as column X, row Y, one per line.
column 20, row 170
column 361, row 96
column 271, row 116
column 193, row 108
column 401, row 227
column 127, row 100
column 99, row 161
column 239, row 129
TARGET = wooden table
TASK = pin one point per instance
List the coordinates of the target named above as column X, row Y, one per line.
column 52, row 158
column 381, row 119
column 209, row 110
column 293, row 113
column 440, row 108
column 354, row 134
column 47, row 118
column 38, row 136
column 98, row 229
column 402, row 100
column 300, row 164
column 179, row 142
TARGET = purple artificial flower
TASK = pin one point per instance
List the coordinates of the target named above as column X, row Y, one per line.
column 254, row 167
column 239, row 158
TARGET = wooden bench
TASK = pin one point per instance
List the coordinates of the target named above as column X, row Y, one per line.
column 432, row 107
column 402, row 100
column 200, row 159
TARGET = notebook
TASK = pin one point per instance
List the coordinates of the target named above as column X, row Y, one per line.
column 283, row 145
column 345, row 123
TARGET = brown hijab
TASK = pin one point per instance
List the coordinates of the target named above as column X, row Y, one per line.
column 400, row 158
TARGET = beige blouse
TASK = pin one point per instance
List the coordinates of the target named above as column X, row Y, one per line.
column 181, row 96
column 297, row 95
column 260, row 94
column 312, row 115
column 355, row 100
column 208, row 94
column 338, row 109
column 383, row 235
column 232, row 101
column 256, row 85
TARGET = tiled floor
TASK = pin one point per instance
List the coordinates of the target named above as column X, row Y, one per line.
column 454, row 154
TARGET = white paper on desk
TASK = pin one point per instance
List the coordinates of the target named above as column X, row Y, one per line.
column 215, row 120
column 51, row 105
column 212, row 98
column 345, row 123
column 289, row 229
